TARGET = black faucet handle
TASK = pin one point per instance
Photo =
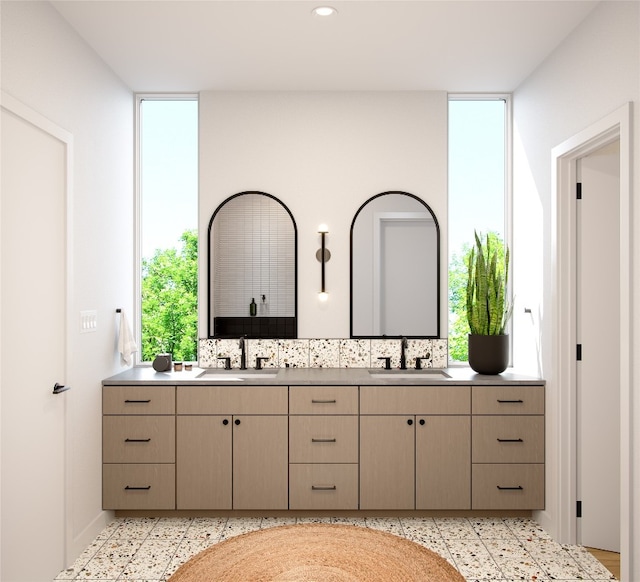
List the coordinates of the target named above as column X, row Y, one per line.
column 227, row 362
column 387, row 362
column 419, row 362
column 259, row 360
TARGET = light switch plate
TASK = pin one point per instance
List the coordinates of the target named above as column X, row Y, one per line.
column 88, row 321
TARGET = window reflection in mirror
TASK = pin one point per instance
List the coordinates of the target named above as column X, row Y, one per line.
column 395, row 268
column 252, row 268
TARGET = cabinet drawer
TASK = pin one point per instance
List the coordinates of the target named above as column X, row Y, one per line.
column 508, row 439
column 415, row 400
column 323, row 439
column 323, row 400
column 232, row 400
column 508, row 399
column 138, row 400
column 507, row 486
column 138, row 486
column 323, row 486
column 138, row 439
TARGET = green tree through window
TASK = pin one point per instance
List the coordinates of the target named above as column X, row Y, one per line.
column 170, row 301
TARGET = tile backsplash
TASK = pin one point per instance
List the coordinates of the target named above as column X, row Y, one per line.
column 323, row 353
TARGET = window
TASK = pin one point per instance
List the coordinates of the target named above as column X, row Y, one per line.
column 479, row 193
column 168, row 226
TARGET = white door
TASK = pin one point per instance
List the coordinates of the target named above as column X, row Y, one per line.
column 598, row 332
column 33, row 316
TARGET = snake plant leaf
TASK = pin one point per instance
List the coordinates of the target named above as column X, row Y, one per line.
column 488, row 307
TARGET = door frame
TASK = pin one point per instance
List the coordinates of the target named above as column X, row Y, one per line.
column 614, row 126
column 19, row 109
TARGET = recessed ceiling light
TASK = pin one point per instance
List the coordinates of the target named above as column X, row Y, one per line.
column 324, row 11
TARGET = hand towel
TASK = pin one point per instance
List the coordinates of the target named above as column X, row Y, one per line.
column 126, row 343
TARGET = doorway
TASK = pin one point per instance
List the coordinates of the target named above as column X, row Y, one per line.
column 563, row 405
column 598, row 338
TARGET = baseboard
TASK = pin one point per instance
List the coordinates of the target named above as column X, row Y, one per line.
column 83, row 540
column 546, row 522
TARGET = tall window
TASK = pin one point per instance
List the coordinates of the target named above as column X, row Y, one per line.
column 478, row 193
column 168, row 240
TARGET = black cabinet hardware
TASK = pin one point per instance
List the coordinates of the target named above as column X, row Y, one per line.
column 518, row 488
column 137, row 401
column 129, row 488
column 137, row 440
column 236, row 421
column 510, row 440
column 510, row 401
column 323, row 487
column 225, row 421
column 323, row 401
column 409, row 422
column 323, row 440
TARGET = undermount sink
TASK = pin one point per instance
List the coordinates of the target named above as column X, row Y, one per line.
column 412, row 375
column 232, row 376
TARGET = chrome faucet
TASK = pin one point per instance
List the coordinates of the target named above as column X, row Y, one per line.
column 403, row 357
column 243, row 353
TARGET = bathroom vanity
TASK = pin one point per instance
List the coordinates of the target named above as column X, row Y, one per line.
column 322, row 440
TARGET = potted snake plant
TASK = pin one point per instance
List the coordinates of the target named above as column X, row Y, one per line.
column 488, row 306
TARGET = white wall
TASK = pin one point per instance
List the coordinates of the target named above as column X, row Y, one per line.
column 322, row 154
column 595, row 71
column 50, row 69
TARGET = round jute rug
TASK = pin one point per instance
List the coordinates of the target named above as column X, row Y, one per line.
column 317, row 553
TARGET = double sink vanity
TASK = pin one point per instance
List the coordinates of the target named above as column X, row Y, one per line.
column 322, row 439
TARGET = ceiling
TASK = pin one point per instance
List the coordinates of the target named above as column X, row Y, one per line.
column 263, row 45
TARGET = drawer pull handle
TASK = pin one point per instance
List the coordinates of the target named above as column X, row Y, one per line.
column 129, row 488
column 323, row 401
column 137, row 401
column 519, row 401
column 137, row 440
column 323, row 440
column 518, row 488
column 510, row 441
column 323, row 487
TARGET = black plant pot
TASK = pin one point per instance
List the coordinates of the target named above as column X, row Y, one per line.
column 488, row 354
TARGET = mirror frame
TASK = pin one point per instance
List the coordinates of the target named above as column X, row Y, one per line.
column 438, row 302
column 210, row 315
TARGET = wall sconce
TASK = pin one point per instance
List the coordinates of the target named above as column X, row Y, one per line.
column 323, row 255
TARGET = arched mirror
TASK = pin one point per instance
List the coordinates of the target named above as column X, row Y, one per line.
column 252, row 269
column 395, row 268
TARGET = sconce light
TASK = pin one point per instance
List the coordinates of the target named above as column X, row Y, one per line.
column 323, row 255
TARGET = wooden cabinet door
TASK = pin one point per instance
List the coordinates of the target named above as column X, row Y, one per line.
column 443, row 462
column 260, row 462
column 203, row 462
column 387, row 463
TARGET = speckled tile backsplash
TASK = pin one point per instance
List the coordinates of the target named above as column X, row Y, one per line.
column 323, row 353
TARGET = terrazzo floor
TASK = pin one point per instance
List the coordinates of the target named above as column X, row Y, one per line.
column 505, row 550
